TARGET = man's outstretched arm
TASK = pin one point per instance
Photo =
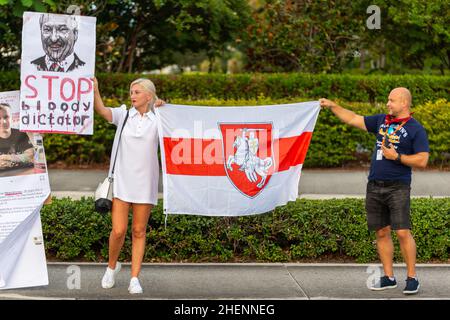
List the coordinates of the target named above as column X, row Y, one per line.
column 346, row 116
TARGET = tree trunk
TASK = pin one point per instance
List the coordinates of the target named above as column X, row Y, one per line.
column 122, row 59
column 211, row 62
column 131, row 49
column 133, row 45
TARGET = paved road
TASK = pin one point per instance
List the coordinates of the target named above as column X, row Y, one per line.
column 313, row 183
column 236, row 281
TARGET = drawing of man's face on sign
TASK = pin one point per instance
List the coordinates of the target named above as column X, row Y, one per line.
column 59, row 34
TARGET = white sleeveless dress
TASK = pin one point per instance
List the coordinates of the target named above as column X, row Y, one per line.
column 136, row 173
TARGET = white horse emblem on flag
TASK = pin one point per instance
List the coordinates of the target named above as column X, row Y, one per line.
column 248, row 155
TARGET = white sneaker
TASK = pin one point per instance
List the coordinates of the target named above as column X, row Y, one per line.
column 135, row 286
column 108, row 279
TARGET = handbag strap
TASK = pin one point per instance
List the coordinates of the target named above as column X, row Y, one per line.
column 118, row 143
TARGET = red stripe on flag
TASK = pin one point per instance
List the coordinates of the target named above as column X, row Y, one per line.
column 198, row 157
column 292, row 150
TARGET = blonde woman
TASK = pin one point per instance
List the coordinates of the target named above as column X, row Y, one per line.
column 136, row 175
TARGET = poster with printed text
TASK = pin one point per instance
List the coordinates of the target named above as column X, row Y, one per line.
column 24, row 186
column 57, row 67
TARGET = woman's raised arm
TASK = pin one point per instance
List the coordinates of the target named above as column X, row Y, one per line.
column 98, row 103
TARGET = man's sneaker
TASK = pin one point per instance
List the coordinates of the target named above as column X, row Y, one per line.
column 412, row 286
column 108, row 279
column 135, row 286
column 384, row 283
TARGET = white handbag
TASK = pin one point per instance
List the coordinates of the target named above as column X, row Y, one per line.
column 103, row 196
column 104, row 191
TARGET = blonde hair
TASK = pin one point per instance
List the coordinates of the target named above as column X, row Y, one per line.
column 148, row 86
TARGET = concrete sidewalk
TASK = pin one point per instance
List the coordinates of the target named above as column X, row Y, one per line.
column 314, row 183
column 236, row 281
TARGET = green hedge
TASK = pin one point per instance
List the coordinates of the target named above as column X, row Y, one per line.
column 333, row 144
column 352, row 88
column 300, row 231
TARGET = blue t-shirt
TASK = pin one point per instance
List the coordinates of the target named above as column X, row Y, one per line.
column 410, row 139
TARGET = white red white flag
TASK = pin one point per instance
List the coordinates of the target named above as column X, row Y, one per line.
column 232, row 161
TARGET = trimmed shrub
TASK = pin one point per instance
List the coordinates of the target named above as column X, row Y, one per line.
column 334, row 143
column 352, row 88
column 435, row 117
column 304, row 229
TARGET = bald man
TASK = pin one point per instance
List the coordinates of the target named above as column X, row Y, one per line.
column 401, row 144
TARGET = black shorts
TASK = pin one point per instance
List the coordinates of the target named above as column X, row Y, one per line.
column 388, row 204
